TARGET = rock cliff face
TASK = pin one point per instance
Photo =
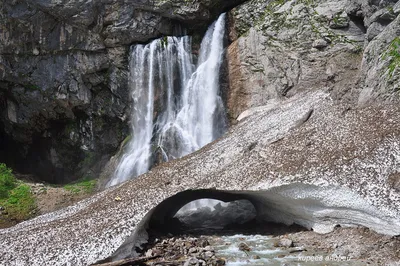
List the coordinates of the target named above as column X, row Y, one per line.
column 283, row 47
column 64, row 92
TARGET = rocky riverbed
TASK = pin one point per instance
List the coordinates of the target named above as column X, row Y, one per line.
column 275, row 245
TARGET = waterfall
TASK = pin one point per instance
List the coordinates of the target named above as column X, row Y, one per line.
column 177, row 108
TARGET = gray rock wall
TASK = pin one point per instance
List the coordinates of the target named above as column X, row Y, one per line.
column 280, row 48
column 380, row 65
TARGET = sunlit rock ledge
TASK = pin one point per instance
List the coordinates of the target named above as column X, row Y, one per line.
column 303, row 160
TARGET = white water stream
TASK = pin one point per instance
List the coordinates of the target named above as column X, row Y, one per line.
column 263, row 252
column 177, row 108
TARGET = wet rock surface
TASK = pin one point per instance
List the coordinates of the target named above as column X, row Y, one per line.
column 63, row 114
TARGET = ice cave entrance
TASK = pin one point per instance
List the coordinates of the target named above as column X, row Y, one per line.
column 211, row 211
column 214, row 214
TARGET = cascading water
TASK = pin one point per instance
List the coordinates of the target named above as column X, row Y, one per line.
column 191, row 113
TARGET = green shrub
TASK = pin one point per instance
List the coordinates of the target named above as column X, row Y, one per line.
column 7, row 181
column 15, row 196
column 85, row 185
column 393, row 54
column 20, row 203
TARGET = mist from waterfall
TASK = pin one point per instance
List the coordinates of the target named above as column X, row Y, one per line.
column 177, row 108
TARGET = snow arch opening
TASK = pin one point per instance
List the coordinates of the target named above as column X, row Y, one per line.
column 200, row 211
column 317, row 208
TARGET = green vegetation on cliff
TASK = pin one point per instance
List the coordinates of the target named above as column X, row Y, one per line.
column 393, row 54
